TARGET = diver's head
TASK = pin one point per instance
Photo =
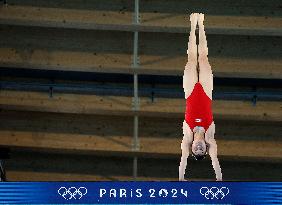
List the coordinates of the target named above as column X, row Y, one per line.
column 199, row 147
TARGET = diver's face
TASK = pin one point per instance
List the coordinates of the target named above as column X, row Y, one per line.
column 199, row 147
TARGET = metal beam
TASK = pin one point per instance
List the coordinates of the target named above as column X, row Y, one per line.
column 135, row 146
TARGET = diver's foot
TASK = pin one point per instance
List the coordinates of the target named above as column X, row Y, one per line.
column 194, row 20
column 201, row 18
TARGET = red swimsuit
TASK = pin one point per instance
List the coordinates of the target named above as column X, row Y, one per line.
column 198, row 108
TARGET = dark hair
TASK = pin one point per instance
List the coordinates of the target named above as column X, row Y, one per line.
column 199, row 157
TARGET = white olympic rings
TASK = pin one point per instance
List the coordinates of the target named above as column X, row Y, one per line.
column 72, row 192
column 213, row 192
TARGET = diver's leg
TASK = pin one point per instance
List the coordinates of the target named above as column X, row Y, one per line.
column 190, row 76
column 205, row 73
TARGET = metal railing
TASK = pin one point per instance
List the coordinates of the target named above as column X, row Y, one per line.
column 150, row 92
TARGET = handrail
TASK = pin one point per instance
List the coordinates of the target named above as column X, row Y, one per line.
column 119, row 90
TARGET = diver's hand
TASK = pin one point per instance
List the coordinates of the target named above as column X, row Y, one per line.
column 220, row 179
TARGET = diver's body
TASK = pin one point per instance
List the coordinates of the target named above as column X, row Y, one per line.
column 198, row 126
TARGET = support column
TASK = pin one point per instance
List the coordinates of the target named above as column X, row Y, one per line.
column 135, row 65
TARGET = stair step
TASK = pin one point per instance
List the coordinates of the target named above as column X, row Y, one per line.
column 121, row 105
column 34, row 166
column 150, row 22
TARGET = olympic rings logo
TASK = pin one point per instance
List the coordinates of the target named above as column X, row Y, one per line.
column 72, row 192
column 214, row 192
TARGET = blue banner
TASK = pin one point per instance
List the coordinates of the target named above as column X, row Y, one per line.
column 140, row 192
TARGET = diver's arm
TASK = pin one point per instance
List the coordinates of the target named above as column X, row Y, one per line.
column 185, row 145
column 2, row 171
column 212, row 150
